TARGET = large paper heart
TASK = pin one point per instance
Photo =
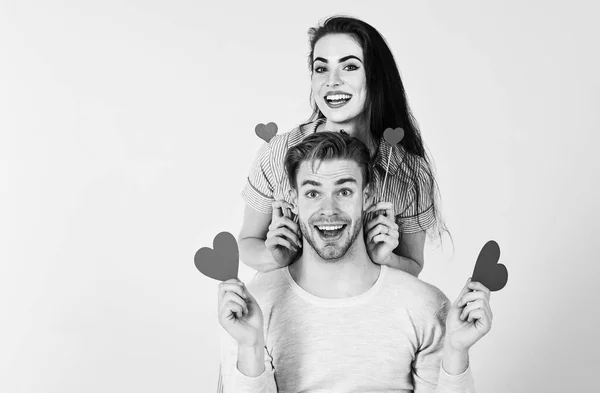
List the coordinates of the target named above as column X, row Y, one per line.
column 222, row 263
column 487, row 270
column 393, row 136
column 267, row 131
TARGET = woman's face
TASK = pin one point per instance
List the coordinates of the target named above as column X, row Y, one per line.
column 338, row 79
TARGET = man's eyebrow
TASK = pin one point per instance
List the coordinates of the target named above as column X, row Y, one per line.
column 346, row 180
column 337, row 183
column 310, row 183
column 343, row 59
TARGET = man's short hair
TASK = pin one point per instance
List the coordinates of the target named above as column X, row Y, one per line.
column 327, row 145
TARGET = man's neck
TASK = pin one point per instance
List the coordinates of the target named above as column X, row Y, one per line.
column 349, row 276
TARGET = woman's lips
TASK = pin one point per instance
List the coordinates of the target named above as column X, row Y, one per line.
column 337, row 99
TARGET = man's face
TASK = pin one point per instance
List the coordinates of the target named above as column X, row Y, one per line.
column 330, row 201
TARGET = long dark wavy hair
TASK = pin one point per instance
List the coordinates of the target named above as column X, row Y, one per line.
column 385, row 105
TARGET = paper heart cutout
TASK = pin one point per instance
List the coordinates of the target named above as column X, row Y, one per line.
column 222, row 263
column 393, row 136
column 487, row 270
column 267, row 131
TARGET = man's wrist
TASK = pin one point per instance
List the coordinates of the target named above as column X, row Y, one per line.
column 455, row 361
column 251, row 360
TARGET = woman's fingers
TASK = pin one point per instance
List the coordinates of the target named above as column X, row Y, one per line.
column 382, row 232
column 279, row 206
column 388, row 207
column 381, row 219
column 285, row 234
column 284, row 222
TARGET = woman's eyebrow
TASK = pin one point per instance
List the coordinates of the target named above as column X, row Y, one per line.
column 343, row 59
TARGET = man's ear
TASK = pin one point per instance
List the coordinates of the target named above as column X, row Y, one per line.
column 294, row 197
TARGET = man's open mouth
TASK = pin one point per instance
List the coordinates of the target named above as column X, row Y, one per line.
column 330, row 231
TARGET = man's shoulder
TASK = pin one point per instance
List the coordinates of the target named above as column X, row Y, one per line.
column 266, row 287
column 420, row 293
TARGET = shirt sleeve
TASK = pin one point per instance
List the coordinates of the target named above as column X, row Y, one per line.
column 259, row 189
column 429, row 375
column 233, row 381
column 418, row 212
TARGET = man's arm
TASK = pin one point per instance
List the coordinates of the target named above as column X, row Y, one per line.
column 437, row 368
column 245, row 370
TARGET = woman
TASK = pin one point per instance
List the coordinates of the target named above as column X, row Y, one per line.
column 357, row 89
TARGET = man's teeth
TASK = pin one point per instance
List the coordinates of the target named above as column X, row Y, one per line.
column 338, row 97
column 330, row 228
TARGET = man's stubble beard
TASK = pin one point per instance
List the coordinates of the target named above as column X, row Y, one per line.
column 323, row 254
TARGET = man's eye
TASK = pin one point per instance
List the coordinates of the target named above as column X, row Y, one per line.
column 346, row 192
column 311, row 194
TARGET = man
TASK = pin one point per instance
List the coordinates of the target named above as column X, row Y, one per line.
column 334, row 321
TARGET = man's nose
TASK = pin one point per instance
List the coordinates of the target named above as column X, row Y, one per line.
column 328, row 206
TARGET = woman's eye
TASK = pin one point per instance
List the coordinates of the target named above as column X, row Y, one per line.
column 320, row 70
column 351, row 67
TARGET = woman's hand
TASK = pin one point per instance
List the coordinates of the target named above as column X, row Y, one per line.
column 283, row 239
column 469, row 318
column 382, row 234
column 240, row 315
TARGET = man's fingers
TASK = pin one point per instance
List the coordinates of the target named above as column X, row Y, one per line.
column 474, row 305
column 231, row 297
column 477, row 286
column 232, row 285
column 471, row 296
column 231, row 310
column 463, row 291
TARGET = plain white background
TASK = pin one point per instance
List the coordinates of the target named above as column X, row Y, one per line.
column 127, row 131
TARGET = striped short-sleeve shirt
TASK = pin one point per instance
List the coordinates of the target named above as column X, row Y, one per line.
column 268, row 181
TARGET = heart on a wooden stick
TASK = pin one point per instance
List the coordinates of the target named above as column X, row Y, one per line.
column 487, row 270
column 220, row 262
column 267, row 131
column 393, row 136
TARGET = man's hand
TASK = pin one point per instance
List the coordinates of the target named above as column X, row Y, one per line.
column 283, row 239
column 382, row 234
column 469, row 318
column 240, row 314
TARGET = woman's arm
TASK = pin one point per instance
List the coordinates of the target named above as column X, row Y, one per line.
column 260, row 253
column 408, row 256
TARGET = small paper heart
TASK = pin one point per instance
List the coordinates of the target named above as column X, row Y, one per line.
column 393, row 136
column 487, row 270
column 267, row 131
column 222, row 263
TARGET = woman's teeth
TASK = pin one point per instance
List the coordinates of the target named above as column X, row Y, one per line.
column 338, row 97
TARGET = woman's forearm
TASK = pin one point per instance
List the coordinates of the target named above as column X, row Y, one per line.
column 254, row 254
column 405, row 264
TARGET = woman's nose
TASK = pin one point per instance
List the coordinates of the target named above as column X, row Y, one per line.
column 334, row 79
